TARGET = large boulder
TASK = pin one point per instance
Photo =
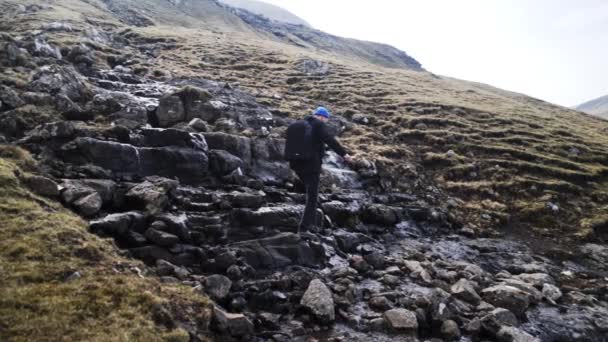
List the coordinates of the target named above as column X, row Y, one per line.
column 183, row 105
column 152, row 195
column 279, row 251
column 61, row 80
column 237, row 325
column 508, row 297
column 319, row 301
column 235, row 144
column 223, row 162
column 187, row 164
column 156, row 137
column 402, row 321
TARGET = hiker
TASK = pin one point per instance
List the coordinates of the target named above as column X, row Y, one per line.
column 304, row 149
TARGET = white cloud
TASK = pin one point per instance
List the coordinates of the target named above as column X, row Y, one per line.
column 551, row 49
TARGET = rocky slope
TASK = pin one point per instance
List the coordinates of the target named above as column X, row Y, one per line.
column 268, row 10
column 597, row 107
column 168, row 140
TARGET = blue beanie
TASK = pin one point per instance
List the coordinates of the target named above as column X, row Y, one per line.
column 322, row 111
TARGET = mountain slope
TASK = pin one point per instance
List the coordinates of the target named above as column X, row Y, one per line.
column 164, row 131
column 268, row 10
column 597, row 107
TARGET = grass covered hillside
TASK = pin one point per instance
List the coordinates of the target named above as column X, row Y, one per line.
column 60, row 282
column 504, row 158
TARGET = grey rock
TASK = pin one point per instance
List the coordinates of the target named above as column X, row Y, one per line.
column 157, row 137
column 119, row 224
column 513, row 334
column 319, row 300
column 198, row 125
column 450, row 330
column 237, row 145
column 402, row 321
column 465, row 290
column 380, row 303
column 42, row 186
column 223, row 162
column 496, row 319
column 88, row 205
column 237, row 325
column 507, row 297
column 536, row 279
column 380, row 214
column 218, row 286
column 152, row 195
column 61, row 80
column 161, row 238
column 551, row 293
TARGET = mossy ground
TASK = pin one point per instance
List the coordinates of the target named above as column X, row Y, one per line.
column 42, row 245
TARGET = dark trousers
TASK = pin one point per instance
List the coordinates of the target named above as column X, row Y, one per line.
column 311, row 182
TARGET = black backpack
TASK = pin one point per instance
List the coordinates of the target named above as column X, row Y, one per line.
column 299, row 144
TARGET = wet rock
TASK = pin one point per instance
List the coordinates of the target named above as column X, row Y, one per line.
column 507, row 297
column 380, row 214
column 449, row 330
column 347, row 241
column 279, row 216
column 237, row 145
column 60, row 130
column 536, row 279
column 344, row 215
column 198, row 125
column 152, row 195
column 551, row 293
column 358, row 263
column 156, row 137
column 465, row 290
column 319, row 300
column 237, row 325
column 42, row 186
column 496, row 319
column 161, row 238
column 512, row 334
column 534, row 295
column 218, row 286
column 223, row 162
column 279, row 251
column 245, row 200
column 402, row 321
column 417, row 271
column 380, row 303
column 88, row 205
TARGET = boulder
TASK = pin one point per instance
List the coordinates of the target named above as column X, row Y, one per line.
column 237, row 145
column 513, row 334
column 161, row 238
column 237, row 325
column 508, row 297
column 187, row 164
column 60, row 130
column 9, row 98
column 61, row 80
column 199, row 125
column 319, row 301
column 152, row 195
column 88, row 205
column 279, row 251
column 183, row 105
column 496, row 319
column 278, row 216
column 157, row 137
column 151, row 254
column 402, row 321
column 464, row 289
column 176, row 224
column 342, row 214
column 118, row 225
column 450, row 330
column 551, row 293
column 223, row 162
column 40, row 185
column 170, row 111
column 380, row 214
column 218, row 286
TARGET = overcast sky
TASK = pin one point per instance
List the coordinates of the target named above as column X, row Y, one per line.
column 556, row 50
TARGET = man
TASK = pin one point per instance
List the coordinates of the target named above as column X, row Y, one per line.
column 305, row 148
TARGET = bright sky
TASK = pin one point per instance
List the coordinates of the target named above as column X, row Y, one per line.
column 556, row 50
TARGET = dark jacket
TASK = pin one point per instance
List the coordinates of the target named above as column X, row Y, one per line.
column 321, row 137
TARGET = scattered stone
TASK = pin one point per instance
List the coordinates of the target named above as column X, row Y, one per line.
column 380, row 303
column 161, row 238
column 551, row 293
column 465, row 290
column 513, row 334
column 88, row 205
column 499, row 317
column 319, row 300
